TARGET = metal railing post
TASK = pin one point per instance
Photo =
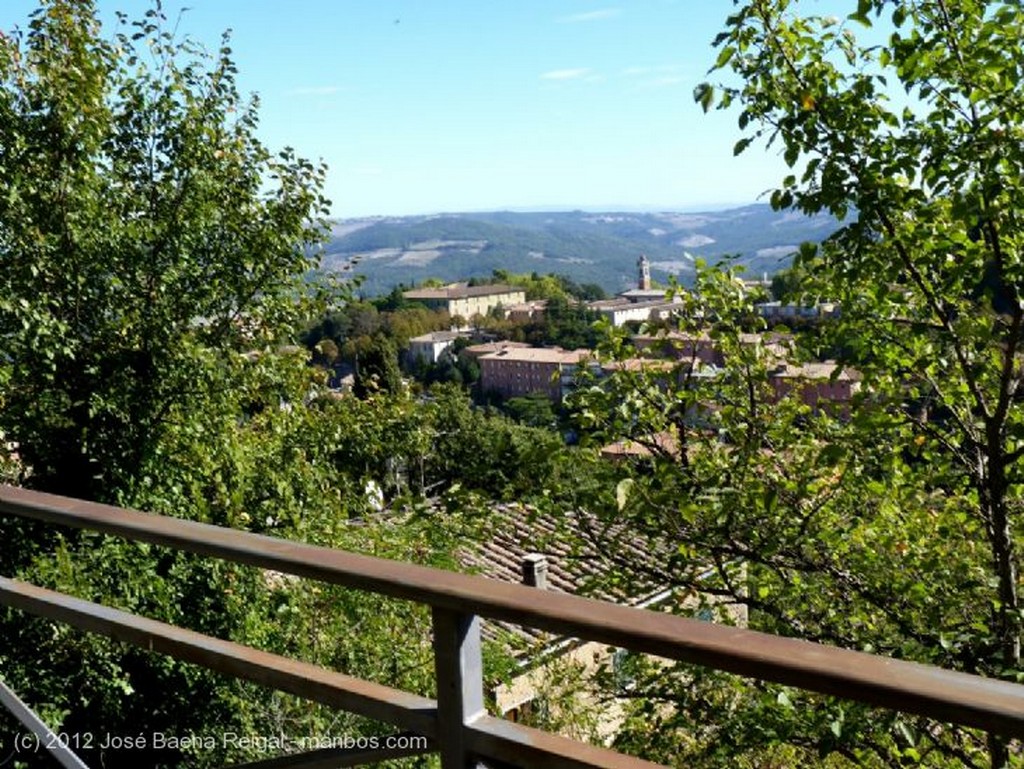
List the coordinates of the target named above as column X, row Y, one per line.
column 43, row 740
column 460, row 688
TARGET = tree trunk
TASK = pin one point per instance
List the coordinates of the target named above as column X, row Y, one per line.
column 1007, row 616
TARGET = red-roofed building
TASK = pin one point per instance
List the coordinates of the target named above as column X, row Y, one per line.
column 513, row 372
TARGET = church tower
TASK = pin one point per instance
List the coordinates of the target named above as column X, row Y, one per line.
column 644, row 276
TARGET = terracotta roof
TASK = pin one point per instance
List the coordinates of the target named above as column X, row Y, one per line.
column 665, row 441
column 477, row 350
column 640, row 364
column 652, row 304
column 539, row 355
column 653, row 293
column 460, row 291
column 609, row 304
column 572, row 548
column 823, row 370
column 440, row 336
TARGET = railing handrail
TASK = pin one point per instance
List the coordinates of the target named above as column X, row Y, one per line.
column 495, row 738
column 945, row 695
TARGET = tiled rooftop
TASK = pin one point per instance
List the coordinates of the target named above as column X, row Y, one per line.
column 460, row 291
column 489, row 347
column 824, row 370
column 539, row 355
column 573, row 550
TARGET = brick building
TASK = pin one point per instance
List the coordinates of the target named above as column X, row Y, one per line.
column 820, row 385
column 513, row 372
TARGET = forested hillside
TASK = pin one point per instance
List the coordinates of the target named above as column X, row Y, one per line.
column 588, row 247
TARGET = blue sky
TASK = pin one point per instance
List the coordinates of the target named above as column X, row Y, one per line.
column 423, row 106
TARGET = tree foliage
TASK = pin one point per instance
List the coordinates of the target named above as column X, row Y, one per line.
column 377, row 368
column 155, row 258
column 145, row 231
column 896, row 530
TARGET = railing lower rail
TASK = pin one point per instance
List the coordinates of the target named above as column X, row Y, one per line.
column 457, row 722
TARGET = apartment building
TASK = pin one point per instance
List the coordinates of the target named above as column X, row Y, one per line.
column 513, row 372
column 430, row 348
column 526, row 311
column 620, row 311
column 477, row 351
column 703, row 348
column 820, row 385
column 777, row 311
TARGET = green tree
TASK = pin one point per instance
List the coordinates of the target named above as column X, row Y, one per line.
column 535, row 410
column 377, row 368
column 788, row 283
column 154, row 256
column 136, row 237
column 404, row 324
column 485, row 451
column 589, row 292
column 566, row 324
column 361, row 319
column 896, row 530
column 931, row 265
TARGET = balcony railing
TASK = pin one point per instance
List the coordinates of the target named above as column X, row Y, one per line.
column 456, row 725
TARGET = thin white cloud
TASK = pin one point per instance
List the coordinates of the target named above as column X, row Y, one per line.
column 661, row 82
column 566, row 74
column 316, row 90
column 578, row 18
column 661, row 69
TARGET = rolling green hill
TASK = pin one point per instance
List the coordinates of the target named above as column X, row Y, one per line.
column 588, row 247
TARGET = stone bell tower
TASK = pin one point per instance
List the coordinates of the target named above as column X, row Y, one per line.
column 644, row 273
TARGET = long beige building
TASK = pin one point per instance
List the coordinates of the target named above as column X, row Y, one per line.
column 465, row 300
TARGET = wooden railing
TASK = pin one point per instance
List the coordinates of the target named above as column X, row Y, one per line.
column 456, row 724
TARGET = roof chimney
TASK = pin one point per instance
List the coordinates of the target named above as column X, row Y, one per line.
column 535, row 570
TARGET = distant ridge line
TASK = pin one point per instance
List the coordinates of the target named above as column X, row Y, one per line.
column 587, row 246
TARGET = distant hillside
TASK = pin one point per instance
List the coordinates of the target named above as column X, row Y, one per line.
column 588, row 247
